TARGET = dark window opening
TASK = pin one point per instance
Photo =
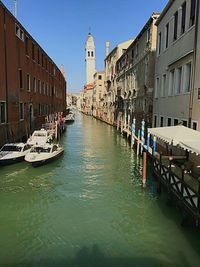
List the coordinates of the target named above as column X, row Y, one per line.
column 183, row 18
column 167, row 36
column 33, row 51
column 175, row 122
column 161, row 121
column 175, row 25
column 192, row 12
column 169, row 122
column 20, row 79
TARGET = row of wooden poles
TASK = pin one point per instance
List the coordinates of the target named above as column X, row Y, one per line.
column 143, row 147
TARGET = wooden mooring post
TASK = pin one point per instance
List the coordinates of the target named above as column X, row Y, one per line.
column 144, row 169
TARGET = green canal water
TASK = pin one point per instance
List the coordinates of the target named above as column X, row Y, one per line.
column 88, row 209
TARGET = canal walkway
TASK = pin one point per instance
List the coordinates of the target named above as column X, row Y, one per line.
column 88, row 208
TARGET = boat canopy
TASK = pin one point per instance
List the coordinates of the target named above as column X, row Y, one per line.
column 180, row 136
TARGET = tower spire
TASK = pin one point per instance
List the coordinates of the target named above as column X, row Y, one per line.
column 15, row 8
column 90, row 59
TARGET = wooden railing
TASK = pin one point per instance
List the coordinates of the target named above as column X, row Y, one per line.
column 183, row 186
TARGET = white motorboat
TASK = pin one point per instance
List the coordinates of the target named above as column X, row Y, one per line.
column 12, row 153
column 70, row 117
column 42, row 154
column 40, row 137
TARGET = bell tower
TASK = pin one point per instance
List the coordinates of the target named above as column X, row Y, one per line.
column 90, row 59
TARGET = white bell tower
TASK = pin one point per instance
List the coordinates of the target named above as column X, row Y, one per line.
column 90, row 59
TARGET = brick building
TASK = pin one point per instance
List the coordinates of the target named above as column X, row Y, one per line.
column 31, row 85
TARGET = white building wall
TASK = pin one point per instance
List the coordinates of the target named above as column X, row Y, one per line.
column 176, row 56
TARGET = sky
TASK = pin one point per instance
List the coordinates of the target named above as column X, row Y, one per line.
column 61, row 28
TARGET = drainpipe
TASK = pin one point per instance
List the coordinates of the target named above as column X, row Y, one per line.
column 193, row 66
column 6, row 70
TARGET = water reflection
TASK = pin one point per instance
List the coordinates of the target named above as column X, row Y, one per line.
column 89, row 209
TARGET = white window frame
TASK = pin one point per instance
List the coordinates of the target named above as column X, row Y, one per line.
column 19, row 32
column 185, row 78
column 178, row 80
column 167, row 35
column 164, row 82
column 171, row 88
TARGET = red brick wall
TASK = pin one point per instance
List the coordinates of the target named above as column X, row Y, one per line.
column 17, row 58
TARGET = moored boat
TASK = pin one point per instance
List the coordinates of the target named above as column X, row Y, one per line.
column 43, row 154
column 40, row 137
column 14, row 152
column 70, row 117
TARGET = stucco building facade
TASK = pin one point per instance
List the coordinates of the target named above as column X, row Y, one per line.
column 174, row 72
column 135, row 77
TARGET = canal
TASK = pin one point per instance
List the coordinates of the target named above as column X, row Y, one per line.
column 88, row 209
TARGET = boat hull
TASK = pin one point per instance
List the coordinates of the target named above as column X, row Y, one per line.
column 4, row 162
column 46, row 161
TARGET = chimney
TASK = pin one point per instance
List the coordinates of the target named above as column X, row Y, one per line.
column 107, row 48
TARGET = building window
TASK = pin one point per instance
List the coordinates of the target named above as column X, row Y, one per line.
column 157, row 87
column 183, row 18
column 42, row 60
column 155, row 120
column 47, row 89
column 175, row 122
column 39, row 108
column 163, row 85
column 46, row 63
column 43, row 88
column 20, row 79
column 99, row 77
column 38, row 55
column 169, row 122
column 34, row 85
column 33, row 51
column 194, row 125
column 2, row 112
column 148, row 35
column 92, row 54
column 132, row 53
column 19, row 32
column 178, row 80
column 28, row 85
column 161, row 121
column 21, row 111
column 27, row 45
column 167, row 36
column 175, row 25
column 184, row 123
column 39, row 86
column 192, row 12
column 159, row 43
column 88, row 53
column 198, row 93
column 171, row 83
column 187, row 77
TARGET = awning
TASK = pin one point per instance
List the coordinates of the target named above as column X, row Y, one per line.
column 179, row 135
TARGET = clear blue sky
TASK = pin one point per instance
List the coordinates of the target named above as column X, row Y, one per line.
column 61, row 28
